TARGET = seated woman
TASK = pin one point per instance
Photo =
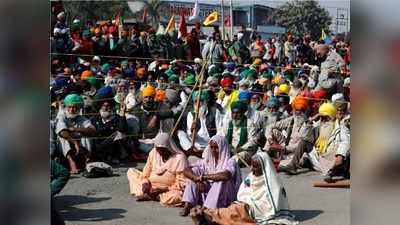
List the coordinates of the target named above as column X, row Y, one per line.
column 261, row 199
column 162, row 178
column 214, row 180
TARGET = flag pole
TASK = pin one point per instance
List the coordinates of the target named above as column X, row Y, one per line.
column 231, row 18
column 222, row 20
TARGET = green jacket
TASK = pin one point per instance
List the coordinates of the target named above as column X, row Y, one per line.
column 59, row 176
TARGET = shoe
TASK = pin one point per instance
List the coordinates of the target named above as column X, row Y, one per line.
column 288, row 169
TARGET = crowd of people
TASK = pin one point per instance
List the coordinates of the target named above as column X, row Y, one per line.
column 280, row 104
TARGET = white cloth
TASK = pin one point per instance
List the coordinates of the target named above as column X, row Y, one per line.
column 338, row 144
column 202, row 136
column 266, row 195
column 80, row 122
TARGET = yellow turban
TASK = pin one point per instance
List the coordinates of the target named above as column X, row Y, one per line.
column 284, row 89
column 149, row 91
column 327, row 109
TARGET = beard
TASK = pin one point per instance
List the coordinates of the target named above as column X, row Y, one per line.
column 71, row 115
column 148, row 105
column 255, row 106
column 105, row 114
column 162, row 86
column 236, row 122
column 202, row 110
column 120, row 96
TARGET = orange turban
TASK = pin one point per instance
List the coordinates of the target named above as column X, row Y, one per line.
column 97, row 30
column 149, row 91
column 140, row 72
column 86, row 74
column 164, row 66
column 161, row 95
column 300, row 103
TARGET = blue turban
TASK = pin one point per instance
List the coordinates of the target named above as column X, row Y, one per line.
column 244, row 95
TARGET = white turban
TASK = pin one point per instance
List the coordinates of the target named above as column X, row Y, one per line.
column 240, row 35
column 338, row 97
column 61, row 15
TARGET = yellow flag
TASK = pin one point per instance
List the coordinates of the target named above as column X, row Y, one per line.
column 171, row 24
column 211, row 18
column 323, row 34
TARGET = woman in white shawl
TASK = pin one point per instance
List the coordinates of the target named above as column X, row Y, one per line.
column 261, row 198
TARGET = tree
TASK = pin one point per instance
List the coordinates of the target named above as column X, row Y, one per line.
column 95, row 10
column 300, row 17
column 152, row 8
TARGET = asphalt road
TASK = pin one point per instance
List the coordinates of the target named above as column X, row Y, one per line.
column 107, row 201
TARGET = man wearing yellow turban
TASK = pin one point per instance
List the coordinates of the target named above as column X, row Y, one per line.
column 149, row 91
column 151, row 116
column 331, row 141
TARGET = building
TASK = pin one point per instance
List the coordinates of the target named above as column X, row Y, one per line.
column 244, row 15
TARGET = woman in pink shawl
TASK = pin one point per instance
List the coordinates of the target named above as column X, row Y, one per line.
column 162, row 177
column 214, row 180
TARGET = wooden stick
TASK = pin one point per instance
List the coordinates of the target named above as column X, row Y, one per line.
column 244, row 162
column 196, row 116
column 187, row 102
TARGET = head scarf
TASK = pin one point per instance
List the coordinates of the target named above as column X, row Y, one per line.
column 176, row 163
column 244, row 95
column 338, row 98
column 105, row 68
column 190, row 79
column 300, row 103
column 94, row 82
column 203, row 97
column 327, row 109
column 272, row 102
column 73, row 99
column 284, row 89
column 226, row 82
column 223, row 157
column 149, row 91
column 239, row 105
column 212, row 69
column 86, row 74
column 266, row 194
column 319, row 94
